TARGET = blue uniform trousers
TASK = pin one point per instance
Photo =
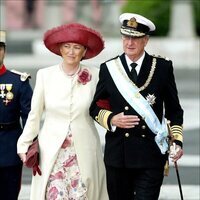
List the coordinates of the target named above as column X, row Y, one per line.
column 10, row 182
column 134, row 184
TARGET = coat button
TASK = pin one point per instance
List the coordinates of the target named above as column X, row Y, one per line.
column 126, row 108
column 126, row 134
column 143, row 136
column 143, row 127
column 96, row 118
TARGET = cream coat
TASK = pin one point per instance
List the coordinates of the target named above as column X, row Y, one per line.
column 63, row 99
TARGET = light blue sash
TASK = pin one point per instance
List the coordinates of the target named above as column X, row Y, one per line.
column 131, row 93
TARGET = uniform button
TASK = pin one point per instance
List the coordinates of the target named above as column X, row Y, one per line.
column 143, row 136
column 143, row 127
column 126, row 134
column 126, row 108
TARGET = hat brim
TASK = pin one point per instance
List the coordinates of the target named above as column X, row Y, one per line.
column 75, row 33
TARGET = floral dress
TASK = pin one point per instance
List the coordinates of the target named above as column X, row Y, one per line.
column 65, row 180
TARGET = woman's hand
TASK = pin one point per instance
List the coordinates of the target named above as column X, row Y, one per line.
column 22, row 157
column 125, row 121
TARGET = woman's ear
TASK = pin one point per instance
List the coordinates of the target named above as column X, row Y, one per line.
column 83, row 55
column 84, row 52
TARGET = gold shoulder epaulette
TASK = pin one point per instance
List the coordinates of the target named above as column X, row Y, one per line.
column 159, row 56
column 23, row 75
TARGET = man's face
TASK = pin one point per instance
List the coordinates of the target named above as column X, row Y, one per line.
column 2, row 55
column 134, row 46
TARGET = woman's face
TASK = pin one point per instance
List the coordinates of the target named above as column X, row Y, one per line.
column 72, row 53
column 134, row 47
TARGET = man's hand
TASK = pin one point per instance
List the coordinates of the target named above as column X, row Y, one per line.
column 125, row 121
column 176, row 152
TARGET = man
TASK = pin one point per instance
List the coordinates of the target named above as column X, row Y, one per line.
column 136, row 91
column 15, row 100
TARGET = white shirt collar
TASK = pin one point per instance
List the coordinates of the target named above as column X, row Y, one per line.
column 139, row 62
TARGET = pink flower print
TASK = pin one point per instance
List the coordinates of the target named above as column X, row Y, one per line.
column 84, row 76
column 70, row 162
column 74, row 183
column 53, row 193
column 58, row 175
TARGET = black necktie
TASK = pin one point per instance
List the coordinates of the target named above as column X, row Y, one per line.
column 133, row 72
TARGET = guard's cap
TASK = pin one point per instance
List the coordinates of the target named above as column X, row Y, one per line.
column 135, row 25
column 2, row 38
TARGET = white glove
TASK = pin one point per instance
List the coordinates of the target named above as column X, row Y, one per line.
column 175, row 152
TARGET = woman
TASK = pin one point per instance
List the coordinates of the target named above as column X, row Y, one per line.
column 70, row 152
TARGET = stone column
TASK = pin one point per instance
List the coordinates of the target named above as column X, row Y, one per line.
column 2, row 16
column 53, row 14
column 182, row 21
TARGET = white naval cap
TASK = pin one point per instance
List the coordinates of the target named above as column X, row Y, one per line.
column 135, row 25
column 2, row 37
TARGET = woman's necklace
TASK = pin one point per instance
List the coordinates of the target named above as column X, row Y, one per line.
column 71, row 74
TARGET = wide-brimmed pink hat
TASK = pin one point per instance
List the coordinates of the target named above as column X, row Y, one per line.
column 75, row 33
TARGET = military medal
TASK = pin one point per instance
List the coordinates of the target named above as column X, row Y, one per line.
column 9, row 94
column 6, row 101
column 2, row 88
column 151, row 99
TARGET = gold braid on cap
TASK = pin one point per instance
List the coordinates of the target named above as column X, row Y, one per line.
column 129, row 32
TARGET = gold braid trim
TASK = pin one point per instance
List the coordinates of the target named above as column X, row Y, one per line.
column 130, row 32
column 177, row 132
column 153, row 67
column 166, row 168
column 102, row 118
